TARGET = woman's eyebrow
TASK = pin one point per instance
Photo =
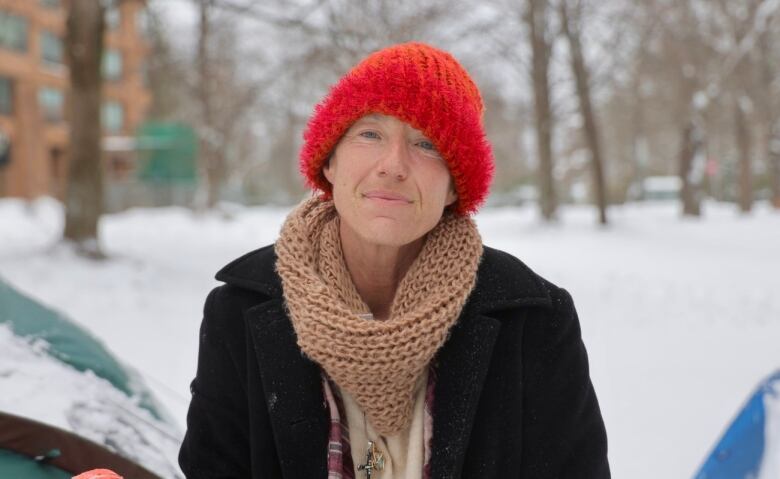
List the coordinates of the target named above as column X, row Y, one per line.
column 372, row 118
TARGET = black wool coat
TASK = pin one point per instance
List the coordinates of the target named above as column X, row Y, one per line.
column 513, row 396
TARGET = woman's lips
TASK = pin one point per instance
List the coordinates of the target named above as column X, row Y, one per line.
column 384, row 195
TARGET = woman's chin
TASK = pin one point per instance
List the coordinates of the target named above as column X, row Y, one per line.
column 389, row 237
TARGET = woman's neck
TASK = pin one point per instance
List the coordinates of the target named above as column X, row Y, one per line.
column 376, row 270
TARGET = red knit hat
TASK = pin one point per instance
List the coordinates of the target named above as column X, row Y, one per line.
column 422, row 86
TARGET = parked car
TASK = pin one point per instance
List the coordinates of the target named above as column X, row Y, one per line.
column 656, row 188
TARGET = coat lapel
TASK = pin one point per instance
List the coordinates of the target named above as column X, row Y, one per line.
column 461, row 366
column 293, row 392
column 463, row 361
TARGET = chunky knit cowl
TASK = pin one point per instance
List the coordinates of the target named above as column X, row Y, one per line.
column 377, row 362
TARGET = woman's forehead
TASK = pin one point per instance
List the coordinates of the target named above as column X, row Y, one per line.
column 377, row 117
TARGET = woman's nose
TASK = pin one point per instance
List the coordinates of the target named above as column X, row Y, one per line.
column 395, row 160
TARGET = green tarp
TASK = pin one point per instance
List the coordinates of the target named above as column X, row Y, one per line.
column 68, row 343
column 167, row 152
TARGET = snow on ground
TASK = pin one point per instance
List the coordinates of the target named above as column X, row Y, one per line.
column 681, row 318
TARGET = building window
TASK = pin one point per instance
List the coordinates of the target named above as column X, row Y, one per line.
column 142, row 22
column 51, row 47
column 50, row 3
column 112, row 65
column 6, row 96
column 52, row 103
column 113, row 116
column 13, row 32
column 113, row 17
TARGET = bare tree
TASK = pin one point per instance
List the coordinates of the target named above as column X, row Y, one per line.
column 684, row 53
column 166, row 71
column 743, row 141
column 224, row 95
column 212, row 162
column 84, row 195
column 571, row 24
column 742, row 109
column 703, row 92
column 537, row 19
column 770, row 115
column 690, row 147
column 746, row 23
column 638, row 109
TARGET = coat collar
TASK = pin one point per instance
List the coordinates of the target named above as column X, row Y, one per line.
column 292, row 382
column 503, row 281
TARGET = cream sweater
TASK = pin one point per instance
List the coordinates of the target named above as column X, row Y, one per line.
column 403, row 452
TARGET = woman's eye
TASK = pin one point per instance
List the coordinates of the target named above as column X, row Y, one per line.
column 369, row 134
column 427, row 145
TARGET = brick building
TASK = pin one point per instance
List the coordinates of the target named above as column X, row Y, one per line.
column 34, row 89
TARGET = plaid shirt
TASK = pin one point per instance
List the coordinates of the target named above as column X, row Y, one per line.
column 340, row 465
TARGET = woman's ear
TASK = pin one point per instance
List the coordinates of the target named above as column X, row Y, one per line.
column 326, row 170
column 452, row 196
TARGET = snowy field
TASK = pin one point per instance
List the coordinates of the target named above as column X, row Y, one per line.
column 681, row 317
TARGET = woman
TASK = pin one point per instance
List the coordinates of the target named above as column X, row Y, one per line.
column 378, row 337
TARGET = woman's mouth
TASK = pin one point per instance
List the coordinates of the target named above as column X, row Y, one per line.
column 386, row 196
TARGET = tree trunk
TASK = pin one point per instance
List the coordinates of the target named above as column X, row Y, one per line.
column 770, row 118
column 581, row 76
column 773, row 157
column 536, row 19
column 689, row 147
column 638, row 140
column 84, row 195
column 211, row 162
column 745, row 167
column 283, row 158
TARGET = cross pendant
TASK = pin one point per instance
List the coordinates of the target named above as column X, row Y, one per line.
column 374, row 460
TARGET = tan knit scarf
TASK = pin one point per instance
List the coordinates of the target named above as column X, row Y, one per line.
column 377, row 362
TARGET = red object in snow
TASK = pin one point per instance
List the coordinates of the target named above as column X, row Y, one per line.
column 98, row 474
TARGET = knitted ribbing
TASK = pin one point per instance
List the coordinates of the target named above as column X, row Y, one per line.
column 377, row 362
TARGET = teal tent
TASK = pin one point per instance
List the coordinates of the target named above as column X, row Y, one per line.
column 68, row 342
column 167, row 153
column 30, row 449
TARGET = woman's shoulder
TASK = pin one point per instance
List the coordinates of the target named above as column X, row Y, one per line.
column 248, row 281
column 504, row 277
column 505, row 282
column 254, row 271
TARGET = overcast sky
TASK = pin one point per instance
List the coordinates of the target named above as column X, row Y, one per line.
column 179, row 14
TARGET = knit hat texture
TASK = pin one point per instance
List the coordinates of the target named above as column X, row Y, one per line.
column 422, row 86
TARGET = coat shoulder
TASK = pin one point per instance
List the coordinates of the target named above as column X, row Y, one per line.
column 254, row 271
column 504, row 281
column 249, row 281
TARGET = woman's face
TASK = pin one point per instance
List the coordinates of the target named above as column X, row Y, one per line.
column 390, row 185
